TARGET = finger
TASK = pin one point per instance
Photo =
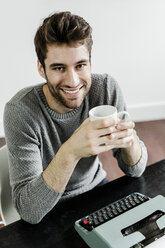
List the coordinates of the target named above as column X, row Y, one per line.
column 105, row 145
column 106, row 131
column 125, row 124
column 112, row 136
column 103, row 148
column 121, row 134
column 121, row 143
column 104, row 123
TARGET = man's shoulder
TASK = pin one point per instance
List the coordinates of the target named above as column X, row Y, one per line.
column 104, row 90
column 25, row 93
column 25, row 102
column 98, row 77
column 103, row 80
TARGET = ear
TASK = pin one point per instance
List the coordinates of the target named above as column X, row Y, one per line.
column 41, row 69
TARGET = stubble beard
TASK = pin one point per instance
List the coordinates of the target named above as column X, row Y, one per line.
column 60, row 99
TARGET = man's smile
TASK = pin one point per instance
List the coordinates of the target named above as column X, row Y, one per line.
column 72, row 90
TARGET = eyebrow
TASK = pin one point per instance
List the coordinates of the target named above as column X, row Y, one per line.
column 55, row 64
column 61, row 64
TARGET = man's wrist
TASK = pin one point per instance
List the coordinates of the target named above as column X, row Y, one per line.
column 131, row 155
column 68, row 150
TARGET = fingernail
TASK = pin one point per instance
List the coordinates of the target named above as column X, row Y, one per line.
column 112, row 136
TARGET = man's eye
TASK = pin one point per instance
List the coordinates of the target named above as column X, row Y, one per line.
column 81, row 66
column 58, row 68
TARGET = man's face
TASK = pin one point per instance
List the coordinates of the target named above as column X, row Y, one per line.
column 68, row 75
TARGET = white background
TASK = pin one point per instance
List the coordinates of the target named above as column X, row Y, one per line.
column 129, row 44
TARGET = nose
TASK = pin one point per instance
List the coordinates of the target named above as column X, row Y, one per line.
column 72, row 79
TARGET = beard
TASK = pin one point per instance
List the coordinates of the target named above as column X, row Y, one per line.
column 68, row 103
column 56, row 95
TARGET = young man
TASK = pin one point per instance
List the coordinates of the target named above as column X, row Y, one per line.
column 52, row 144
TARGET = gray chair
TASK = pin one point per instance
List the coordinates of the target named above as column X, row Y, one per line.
column 7, row 210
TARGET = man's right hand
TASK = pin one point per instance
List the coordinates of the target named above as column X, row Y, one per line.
column 92, row 138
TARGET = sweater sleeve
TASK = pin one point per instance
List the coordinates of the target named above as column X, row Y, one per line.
column 32, row 197
column 116, row 98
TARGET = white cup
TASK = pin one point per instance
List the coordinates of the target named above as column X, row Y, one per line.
column 106, row 111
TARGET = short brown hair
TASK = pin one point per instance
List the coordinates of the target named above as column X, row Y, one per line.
column 62, row 27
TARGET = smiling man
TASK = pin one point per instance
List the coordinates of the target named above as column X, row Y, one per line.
column 53, row 147
column 68, row 75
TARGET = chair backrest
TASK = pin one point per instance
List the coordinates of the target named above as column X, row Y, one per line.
column 7, row 210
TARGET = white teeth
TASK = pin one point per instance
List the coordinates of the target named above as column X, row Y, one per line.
column 71, row 92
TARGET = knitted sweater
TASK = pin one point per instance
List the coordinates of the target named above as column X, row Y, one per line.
column 34, row 133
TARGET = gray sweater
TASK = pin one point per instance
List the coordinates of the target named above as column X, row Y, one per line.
column 34, row 133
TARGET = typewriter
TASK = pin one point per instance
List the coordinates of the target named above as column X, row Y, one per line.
column 131, row 222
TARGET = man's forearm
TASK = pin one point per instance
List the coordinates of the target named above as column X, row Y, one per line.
column 60, row 169
column 131, row 155
column 85, row 142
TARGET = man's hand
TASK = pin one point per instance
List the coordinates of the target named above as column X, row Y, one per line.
column 123, row 134
column 94, row 137
column 131, row 150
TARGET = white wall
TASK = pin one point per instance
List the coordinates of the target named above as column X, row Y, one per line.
column 129, row 44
